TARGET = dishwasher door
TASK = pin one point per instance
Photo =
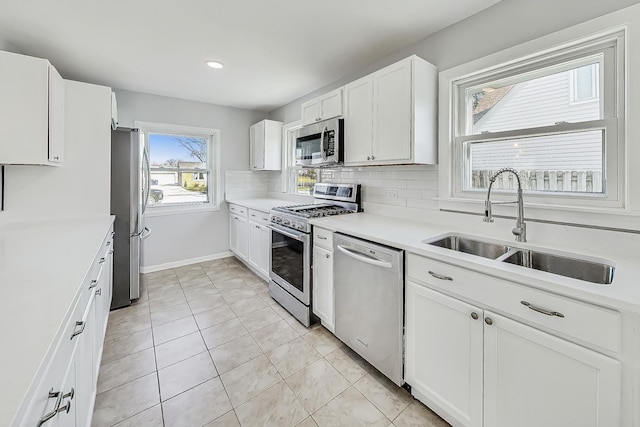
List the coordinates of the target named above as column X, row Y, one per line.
column 368, row 282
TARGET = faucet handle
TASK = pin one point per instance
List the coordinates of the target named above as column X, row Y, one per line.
column 487, row 211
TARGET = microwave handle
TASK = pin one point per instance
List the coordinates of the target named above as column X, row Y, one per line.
column 324, row 148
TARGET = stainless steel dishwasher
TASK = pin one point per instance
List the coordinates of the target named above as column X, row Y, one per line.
column 368, row 282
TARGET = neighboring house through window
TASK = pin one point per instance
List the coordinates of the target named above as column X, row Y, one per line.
column 183, row 167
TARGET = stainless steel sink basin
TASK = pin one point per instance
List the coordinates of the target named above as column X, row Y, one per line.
column 470, row 246
column 593, row 272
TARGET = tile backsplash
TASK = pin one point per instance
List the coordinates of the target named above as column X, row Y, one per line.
column 413, row 186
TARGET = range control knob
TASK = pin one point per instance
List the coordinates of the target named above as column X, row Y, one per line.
column 286, row 222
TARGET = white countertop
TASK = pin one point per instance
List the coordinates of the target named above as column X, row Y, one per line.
column 263, row 205
column 42, row 267
column 617, row 248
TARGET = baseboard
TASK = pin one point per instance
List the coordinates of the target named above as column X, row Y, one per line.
column 174, row 264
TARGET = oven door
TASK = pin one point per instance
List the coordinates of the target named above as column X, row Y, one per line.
column 290, row 261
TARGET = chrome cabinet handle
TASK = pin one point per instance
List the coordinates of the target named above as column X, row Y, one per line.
column 321, row 238
column 101, row 261
column 327, row 255
column 67, row 407
column 99, row 291
column 46, row 417
column 368, row 157
column 488, row 321
column 474, row 315
column 373, row 157
column 93, row 284
column 541, row 310
column 82, row 324
column 440, row 276
column 108, row 243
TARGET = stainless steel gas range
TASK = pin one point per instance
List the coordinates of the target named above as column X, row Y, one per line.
column 291, row 243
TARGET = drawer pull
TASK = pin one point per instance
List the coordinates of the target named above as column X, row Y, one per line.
column 321, row 237
column 93, row 284
column 474, row 315
column 253, row 215
column 82, row 324
column 108, row 243
column 440, row 276
column 101, row 261
column 46, row 417
column 541, row 310
column 99, row 291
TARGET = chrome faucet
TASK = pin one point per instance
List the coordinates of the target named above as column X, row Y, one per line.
column 520, row 230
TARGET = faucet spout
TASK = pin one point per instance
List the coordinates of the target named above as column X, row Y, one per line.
column 520, row 230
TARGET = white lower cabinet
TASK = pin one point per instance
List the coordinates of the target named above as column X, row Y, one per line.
column 444, row 353
column 323, row 303
column 477, row 368
column 534, row 379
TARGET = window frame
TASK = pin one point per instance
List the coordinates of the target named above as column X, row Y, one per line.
column 214, row 183
column 288, row 184
column 455, row 82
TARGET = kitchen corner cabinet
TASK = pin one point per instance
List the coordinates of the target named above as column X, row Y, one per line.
column 323, row 107
column 65, row 391
column 239, row 231
column 322, row 290
column 259, row 242
column 390, row 115
column 475, row 367
column 32, row 98
column 265, row 145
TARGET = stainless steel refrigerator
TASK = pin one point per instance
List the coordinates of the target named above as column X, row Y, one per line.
column 129, row 196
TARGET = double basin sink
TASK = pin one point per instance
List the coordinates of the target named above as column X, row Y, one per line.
column 588, row 271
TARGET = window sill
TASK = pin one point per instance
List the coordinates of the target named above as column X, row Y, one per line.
column 178, row 210
column 612, row 218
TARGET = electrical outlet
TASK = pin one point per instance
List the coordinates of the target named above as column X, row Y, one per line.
column 392, row 194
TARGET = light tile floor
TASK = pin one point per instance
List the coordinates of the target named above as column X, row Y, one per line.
column 205, row 345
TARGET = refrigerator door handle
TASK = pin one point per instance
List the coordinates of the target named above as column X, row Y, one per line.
column 147, row 184
column 145, row 233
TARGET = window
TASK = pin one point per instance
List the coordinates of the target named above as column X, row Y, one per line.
column 555, row 118
column 297, row 180
column 182, row 166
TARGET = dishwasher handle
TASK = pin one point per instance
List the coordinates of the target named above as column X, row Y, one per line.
column 364, row 258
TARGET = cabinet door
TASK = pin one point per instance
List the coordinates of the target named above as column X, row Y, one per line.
column 310, row 112
column 392, row 99
column 534, row 379
column 444, row 353
column 330, row 104
column 255, row 245
column 24, row 106
column 243, row 238
column 256, row 147
column 323, row 304
column 86, row 365
column 265, row 247
column 233, row 233
column 56, row 117
column 358, row 123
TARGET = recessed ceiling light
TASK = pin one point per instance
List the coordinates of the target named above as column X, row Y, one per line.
column 214, row 64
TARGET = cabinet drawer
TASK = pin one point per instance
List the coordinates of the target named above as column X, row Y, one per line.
column 323, row 238
column 238, row 210
column 259, row 216
column 586, row 322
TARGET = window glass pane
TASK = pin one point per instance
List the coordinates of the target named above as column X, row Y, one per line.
column 175, row 163
column 303, row 180
column 540, row 101
column 570, row 162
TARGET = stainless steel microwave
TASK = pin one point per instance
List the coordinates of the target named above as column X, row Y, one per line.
column 320, row 144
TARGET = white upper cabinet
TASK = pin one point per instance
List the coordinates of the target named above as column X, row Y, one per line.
column 32, row 110
column 390, row 115
column 323, row 107
column 265, row 145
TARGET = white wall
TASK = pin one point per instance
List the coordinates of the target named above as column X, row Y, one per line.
column 81, row 186
column 505, row 24
column 186, row 236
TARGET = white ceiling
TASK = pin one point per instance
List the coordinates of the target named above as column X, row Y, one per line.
column 274, row 51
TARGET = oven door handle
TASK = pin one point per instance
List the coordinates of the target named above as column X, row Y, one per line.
column 301, row 237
